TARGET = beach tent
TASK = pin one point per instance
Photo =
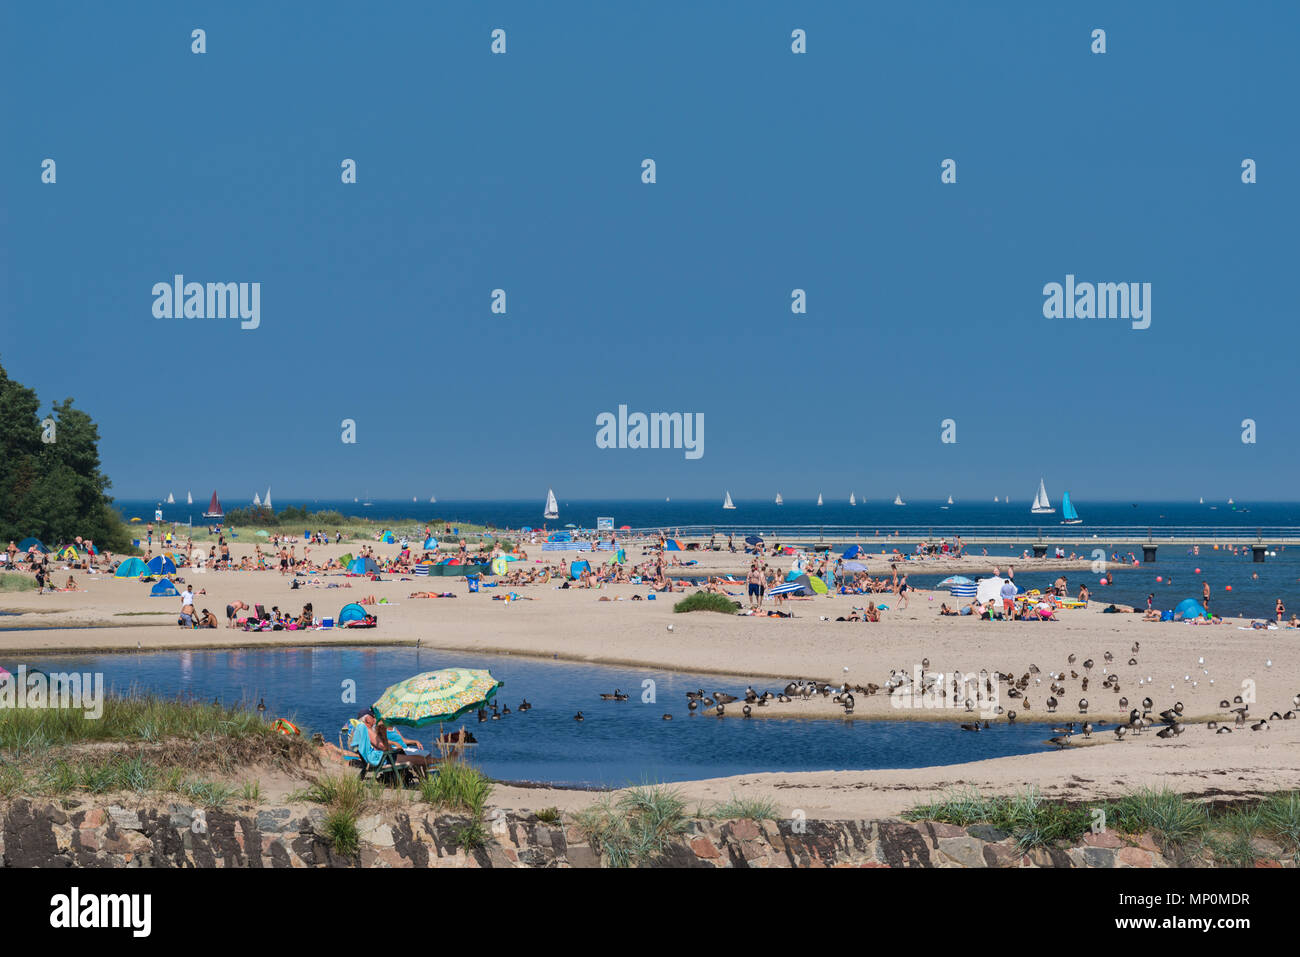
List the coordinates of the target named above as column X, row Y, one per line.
column 28, row 543
column 577, row 568
column 990, row 589
column 161, row 565
column 164, row 589
column 69, row 554
column 131, row 568
column 753, row 540
column 853, row 551
column 674, row 545
column 1189, row 608
column 818, row 585
column 346, row 560
column 526, row 528
column 351, row 612
column 430, row 544
column 362, row 566
column 387, row 538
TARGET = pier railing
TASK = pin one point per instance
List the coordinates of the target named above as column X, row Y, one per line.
column 1115, row 534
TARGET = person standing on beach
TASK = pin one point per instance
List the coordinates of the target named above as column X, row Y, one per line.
column 903, row 589
column 1205, row 595
column 1280, row 609
column 755, row 582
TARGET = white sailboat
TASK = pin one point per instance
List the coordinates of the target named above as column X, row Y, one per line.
column 945, row 507
column 552, row 506
column 1202, row 499
column 266, row 502
column 779, row 499
column 728, row 503
column 433, row 499
column 257, row 502
column 853, row 499
column 189, row 499
column 995, row 498
column 898, row 500
column 819, row 498
column 1229, row 501
column 170, row 499
column 1041, row 504
column 949, row 499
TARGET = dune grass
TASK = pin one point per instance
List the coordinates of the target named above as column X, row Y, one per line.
column 707, row 601
column 637, row 828
column 737, row 808
column 16, row 582
column 1181, row 825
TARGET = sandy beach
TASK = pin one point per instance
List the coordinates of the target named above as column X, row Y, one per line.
column 578, row 624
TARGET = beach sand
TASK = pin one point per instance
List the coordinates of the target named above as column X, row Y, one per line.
column 574, row 624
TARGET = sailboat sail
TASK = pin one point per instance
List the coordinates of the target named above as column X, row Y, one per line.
column 1070, row 516
column 898, row 500
column 949, row 499
column 214, row 508
column 257, row 501
column 728, row 503
column 267, row 501
column 853, row 499
column 779, row 500
column 433, row 499
column 189, row 499
column 1041, row 504
column 819, row 498
column 171, row 500
column 552, row 507
column 995, row 498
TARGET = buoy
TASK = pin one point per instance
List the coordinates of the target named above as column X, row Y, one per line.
column 1228, row 587
column 1160, row 578
column 1198, row 571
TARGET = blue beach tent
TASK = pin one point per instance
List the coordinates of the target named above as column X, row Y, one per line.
column 161, row 565
column 362, row 566
column 164, row 589
column 577, row 568
column 27, row 543
column 853, row 551
column 430, row 544
column 1189, row 608
column 351, row 612
column 131, row 568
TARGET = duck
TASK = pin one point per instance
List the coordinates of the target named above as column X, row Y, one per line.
column 525, row 705
column 579, row 717
column 668, row 717
column 971, row 727
column 261, row 705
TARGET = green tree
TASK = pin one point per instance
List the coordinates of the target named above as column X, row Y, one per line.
column 52, row 490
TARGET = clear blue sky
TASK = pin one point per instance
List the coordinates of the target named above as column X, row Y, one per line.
column 775, row 171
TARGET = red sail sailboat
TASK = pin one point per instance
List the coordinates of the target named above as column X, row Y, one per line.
column 214, row 508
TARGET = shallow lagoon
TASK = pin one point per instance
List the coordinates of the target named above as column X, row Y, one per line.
column 619, row 743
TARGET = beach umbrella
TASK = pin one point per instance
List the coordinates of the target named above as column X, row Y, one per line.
column 625, row 528
column 570, row 525
column 789, row 588
column 436, row 696
column 753, row 540
column 500, row 566
column 135, row 519
column 263, row 533
column 955, row 580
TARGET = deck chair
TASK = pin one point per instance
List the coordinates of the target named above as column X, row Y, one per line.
column 260, row 612
column 369, row 758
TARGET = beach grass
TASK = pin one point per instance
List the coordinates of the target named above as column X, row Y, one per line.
column 17, row 582
column 457, row 786
column 637, row 828
column 548, row 815
column 738, row 808
column 707, row 601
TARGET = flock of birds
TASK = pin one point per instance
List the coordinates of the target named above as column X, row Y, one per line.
column 1140, row 720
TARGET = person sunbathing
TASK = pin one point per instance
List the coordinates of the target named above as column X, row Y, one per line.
column 404, row 756
column 945, row 610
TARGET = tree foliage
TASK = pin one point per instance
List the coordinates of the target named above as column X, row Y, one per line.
column 52, row 490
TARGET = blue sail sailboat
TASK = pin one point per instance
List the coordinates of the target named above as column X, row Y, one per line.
column 1071, row 517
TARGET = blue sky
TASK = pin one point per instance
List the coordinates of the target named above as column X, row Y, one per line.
column 775, row 171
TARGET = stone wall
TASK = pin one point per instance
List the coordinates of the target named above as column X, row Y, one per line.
column 72, row 834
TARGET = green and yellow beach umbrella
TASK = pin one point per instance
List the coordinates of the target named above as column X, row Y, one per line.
column 436, row 696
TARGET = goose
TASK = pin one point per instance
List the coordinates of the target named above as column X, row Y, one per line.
column 1275, row 717
column 1147, row 704
column 692, row 705
column 720, row 710
column 1120, row 732
column 1225, row 705
column 1236, row 699
column 610, row 697
column 707, row 702
column 1123, row 702
column 848, row 706
column 1289, row 716
column 695, row 695
column 1171, row 731
column 578, row 717
column 1051, row 705
column 1072, row 658
column 784, row 698
column 1061, row 742
column 482, row 714
column 970, row 705
column 1083, row 706
column 1108, row 657
column 505, row 709
column 762, row 703
column 1261, row 725
column 971, row 727
column 1224, row 731
column 525, row 705
column 746, row 710
column 1136, row 646
column 1087, row 664
column 261, row 705
column 1241, row 719
column 1211, row 725
column 751, row 694
column 1011, row 717
column 1033, row 669
column 723, row 698
column 1087, row 729
column 925, row 663
column 668, row 717
column 1132, row 661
